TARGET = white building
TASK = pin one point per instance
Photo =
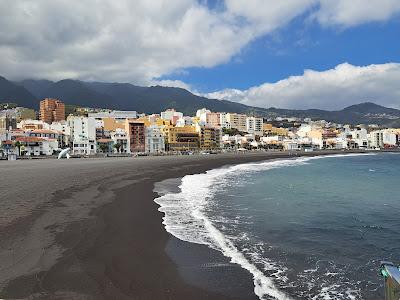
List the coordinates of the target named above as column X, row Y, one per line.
column 184, row 121
column 114, row 114
column 36, row 146
column 233, row 139
column 360, row 137
column 155, row 142
column 254, row 125
column 223, row 121
column 390, row 138
column 290, row 145
column 271, row 139
column 202, row 114
column 83, row 134
column 32, row 124
column 384, row 138
column 303, row 130
column 376, row 139
column 119, row 137
column 171, row 115
column 64, row 128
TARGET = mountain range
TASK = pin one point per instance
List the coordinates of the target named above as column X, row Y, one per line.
column 125, row 96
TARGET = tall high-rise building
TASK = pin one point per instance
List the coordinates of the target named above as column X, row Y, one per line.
column 52, row 110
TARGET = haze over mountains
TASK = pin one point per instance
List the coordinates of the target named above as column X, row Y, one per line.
column 125, row 96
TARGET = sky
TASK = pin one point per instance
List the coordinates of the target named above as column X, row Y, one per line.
column 301, row 54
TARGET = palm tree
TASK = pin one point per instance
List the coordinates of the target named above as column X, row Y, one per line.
column 18, row 145
column 103, row 147
column 117, row 146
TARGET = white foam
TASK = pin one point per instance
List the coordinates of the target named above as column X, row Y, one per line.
column 185, row 218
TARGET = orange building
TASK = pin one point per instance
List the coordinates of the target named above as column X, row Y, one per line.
column 51, row 110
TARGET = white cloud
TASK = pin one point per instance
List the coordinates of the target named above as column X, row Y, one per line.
column 353, row 12
column 138, row 41
column 172, row 83
column 121, row 40
column 267, row 15
column 332, row 89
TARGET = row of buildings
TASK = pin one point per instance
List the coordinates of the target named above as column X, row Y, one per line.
column 108, row 131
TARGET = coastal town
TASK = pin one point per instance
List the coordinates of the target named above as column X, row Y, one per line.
column 94, row 131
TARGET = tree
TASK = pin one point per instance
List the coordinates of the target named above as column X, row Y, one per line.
column 18, row 145
column 117, row 146
column 103, row 147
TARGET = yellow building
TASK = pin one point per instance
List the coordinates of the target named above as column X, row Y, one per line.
column 181, row 138
column 145, row 120
column 209, row 138
column 396, row 130
column 163, row 122
column 111, row 124
column 269, row 129
column 237, row 121
column 280, row 131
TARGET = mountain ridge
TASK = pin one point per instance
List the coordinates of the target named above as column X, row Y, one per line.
column 126, row 96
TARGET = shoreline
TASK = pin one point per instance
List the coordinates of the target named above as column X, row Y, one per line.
column 97, row 233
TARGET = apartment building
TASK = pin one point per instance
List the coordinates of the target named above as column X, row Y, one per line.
column 155, row 142
column 51, row 110
column 185, row 121
column 213, row 119
column 171, row 115
column 237, row 121
column 7, row 122
column 120, row 139
column 114, row 114
column 48, row 135
column 360, row 137
column 135, row 132
column 209, row 138
column 36, row 146
column 223, row 121
column 201, row 114
column 83, row 134
column 254, row 125
column 376, row 139
column 63, row 128
column 181, row 138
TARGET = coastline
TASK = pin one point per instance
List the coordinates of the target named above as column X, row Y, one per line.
column 93, row 231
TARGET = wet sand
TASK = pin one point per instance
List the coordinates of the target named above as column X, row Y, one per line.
column 89, row 229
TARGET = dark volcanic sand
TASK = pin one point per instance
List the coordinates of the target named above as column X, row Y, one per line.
column 89, row 229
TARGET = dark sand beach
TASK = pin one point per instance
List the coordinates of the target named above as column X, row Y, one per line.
column 89, row 229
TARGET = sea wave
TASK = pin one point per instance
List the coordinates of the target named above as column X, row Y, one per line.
column 185, row 218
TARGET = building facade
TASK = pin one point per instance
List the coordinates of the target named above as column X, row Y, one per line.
column 171, row 115
column 254, row 125
column 36, row 146
column 155, row 142
column 7, row 123
column 213, row 119
column 376, row 139
column 83, row 134
column 114, row 114
column 237, row 121
column 119, row 138
column 135, row 132
column 181, row 138
column 209, row 138
column 51, row 110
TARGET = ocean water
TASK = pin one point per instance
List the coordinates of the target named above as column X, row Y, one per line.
column 305, row 228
